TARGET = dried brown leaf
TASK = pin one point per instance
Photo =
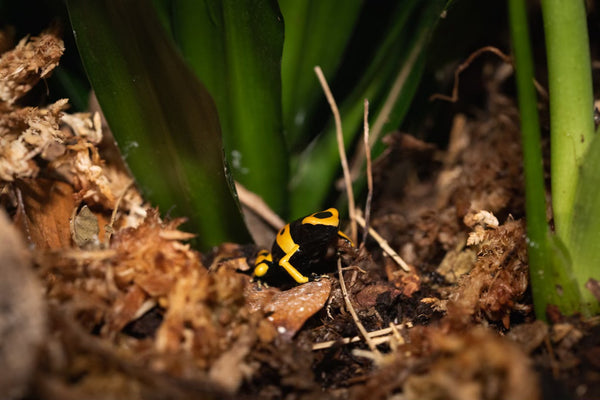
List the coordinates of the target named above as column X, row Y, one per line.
column 45, row 213
column 367, row 297
column 85, row 229
column 291, row 308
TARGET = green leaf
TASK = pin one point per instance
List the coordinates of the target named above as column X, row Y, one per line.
column 555, row 282
column 316, row 33
column 235, row 47
column 160, row 112
column 585, row 230
column 394, row 73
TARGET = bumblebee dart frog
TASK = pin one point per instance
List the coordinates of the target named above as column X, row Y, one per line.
column 299, row 249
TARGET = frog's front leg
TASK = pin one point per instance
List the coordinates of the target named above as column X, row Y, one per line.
column 284, row 262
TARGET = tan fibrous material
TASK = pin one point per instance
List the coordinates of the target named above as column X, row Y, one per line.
column 31, row 60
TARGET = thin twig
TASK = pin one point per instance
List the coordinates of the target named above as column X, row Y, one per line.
column 341, row 150
column 369, row 173
column 258, row 206
column 465, row 65
column 113, row 217
column 383, row 244
column 350, row 308
column 396, row 333
column 379, row 336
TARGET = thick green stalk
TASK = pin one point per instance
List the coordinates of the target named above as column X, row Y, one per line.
column 571, row 102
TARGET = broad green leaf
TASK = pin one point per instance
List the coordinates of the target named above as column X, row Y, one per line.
column 160, row 113
column 554, row 282
column 397, row 65
column 316, row 33
column 234, row 47
column 585, row 229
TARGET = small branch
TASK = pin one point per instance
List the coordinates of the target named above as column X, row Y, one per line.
column 350, row 308
column 258, row 206
column 341, row 150
column 113, row 217
column 465, row 65
column 379, row 336
column 383, row 244
column 369, row 173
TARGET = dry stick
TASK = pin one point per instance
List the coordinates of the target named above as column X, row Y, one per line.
column 369, row 174
column 350, row 308
column 113, row 217
column 384, row 244
column 341, row 149
column 258, row 206
column 379, row 336
column 465, row 65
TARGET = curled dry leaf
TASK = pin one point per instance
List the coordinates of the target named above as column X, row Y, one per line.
column 369, row 296
column 407, row 283
column 45, row 212
column 290, row 309
column 84, row 229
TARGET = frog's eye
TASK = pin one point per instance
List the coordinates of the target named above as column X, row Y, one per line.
column 329, row 217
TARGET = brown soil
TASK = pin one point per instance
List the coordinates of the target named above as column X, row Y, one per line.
column 129, row 310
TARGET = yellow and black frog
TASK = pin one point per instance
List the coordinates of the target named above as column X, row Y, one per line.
column 300, row 248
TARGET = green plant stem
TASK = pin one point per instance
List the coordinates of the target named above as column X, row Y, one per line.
column 571, row 102
column 535, row 202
